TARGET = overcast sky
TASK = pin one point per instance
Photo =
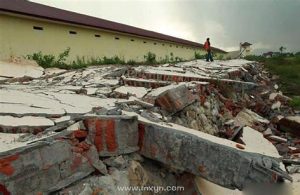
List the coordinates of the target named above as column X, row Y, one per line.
column 267, row 24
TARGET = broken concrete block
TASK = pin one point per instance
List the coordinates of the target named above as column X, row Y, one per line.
column 279, row 97
column 276, row 105
column 51, row 71
column 62, row 119
column 290, row 124
column 175, row 99
column 151, row 96
column 20, row 67
column 277, row 139
column 249, row 118
column 267, row 132
column 138, row 82
column 26, row 124
column 124, row 91
column 255, row 139
column 118, row 162
column 113, row 135
column 42, row 167
column 223, row 162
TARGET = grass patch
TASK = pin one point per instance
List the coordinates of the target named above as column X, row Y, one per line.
column 288, row 70
column 51, row 61
column 295, row 103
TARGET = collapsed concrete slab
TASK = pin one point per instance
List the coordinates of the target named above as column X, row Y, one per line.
column 20, row 68
column 220, row 161
column 24, row 124
column 139, row 92
column 43, row 167
column 255, row 139
column 175, row 99
column 249, row 118
column 51, row 104
column 171, row 98
column 113, row 135
column 138, row 82
column 163, row 75
column 82, row 98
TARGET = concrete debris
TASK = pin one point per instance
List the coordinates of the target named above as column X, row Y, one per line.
column 125, row 91
column 211, row 128
column 18, row 67
column 290, row 124
column 175, row 99
column 255, row 139
column 113, row 135
column 51, row 71
column 277, row 138
column 249, row 118
column 172, row 144
column 118, row 162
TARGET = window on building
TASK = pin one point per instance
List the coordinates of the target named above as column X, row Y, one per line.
column 38, row 28
column 117, row 38
column 72, row 32
column 96, row 35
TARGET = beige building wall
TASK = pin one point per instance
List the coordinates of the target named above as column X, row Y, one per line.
column 19, row 38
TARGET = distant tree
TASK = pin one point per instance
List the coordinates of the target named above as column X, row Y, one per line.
column 281, row 49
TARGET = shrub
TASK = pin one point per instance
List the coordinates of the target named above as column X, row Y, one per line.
column 131, row 62
column 172, row 57
column 112, row 60
column 150, row 58
column 199, row 56
column 48, row 61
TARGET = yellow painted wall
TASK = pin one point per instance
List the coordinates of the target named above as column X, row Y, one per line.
column 18, row 38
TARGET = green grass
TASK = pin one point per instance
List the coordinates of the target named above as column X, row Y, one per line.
column 295, row 103
column 60, row 61
column 288, row 70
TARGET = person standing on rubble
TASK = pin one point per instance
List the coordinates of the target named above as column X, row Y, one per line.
column 208, row 49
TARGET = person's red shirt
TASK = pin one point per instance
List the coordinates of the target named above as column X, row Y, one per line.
column 206, row 46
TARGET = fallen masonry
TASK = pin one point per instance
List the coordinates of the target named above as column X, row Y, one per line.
column 202, row 126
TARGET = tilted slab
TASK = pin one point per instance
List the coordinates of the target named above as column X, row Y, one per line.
column 24, row 124
column 42, row 166
column 175, row 99
column 187, row 77
column 220, row 161
column 138, row 82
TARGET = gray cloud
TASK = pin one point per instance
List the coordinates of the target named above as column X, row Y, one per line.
column 267, row 24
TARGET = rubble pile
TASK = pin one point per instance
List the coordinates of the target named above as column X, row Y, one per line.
column 221, row 126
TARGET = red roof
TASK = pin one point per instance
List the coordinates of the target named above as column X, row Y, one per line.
column 25, row 7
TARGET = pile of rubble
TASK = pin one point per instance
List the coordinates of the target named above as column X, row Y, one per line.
column 207, row 127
